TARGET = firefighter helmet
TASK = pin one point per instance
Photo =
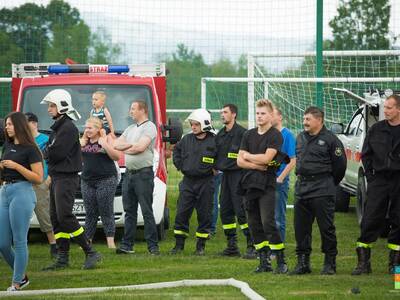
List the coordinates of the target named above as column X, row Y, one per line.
column 202, row 116
column 62, row 99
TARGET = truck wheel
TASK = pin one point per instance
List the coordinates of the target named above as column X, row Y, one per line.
column 361, row 197
column 342, row 200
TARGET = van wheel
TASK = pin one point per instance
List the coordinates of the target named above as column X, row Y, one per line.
column 361, row 197
column 342, row 200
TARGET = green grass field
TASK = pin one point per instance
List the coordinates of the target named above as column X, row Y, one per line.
column 141, row 268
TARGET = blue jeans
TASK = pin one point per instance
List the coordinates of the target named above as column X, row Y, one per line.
column 137, row 188
column 217, row 184
column 281, row 197
column 17, row 202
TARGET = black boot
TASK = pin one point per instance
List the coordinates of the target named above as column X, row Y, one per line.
column 394, row 260
column 200, row 247
column 281, row 266
column 83, row 242
column 179, row 245
column 251, row 252
column 232, row 247
column 62, row 259
column 265, row 261
column 363, row 264
column 303, row 265
column 329, row 267
column 53, row 251
column 61, row 262
column 92, row 258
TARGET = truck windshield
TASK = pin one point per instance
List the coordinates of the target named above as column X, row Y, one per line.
column 119, row 98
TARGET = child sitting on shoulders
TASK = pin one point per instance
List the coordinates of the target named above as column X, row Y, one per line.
column 101, row 112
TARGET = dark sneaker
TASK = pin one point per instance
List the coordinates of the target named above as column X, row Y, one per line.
column 91, row 260
column 24, row 283
column 154, row 251
column 122, row 250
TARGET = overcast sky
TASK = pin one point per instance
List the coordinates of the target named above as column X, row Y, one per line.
column 215, row 28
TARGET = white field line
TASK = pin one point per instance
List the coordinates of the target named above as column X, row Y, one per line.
column 243, row 286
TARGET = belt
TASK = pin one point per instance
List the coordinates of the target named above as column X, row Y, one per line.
column 312, row 177
column 11, row 181
column 139, row 170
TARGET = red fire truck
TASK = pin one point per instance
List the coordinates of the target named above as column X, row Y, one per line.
column 122, row 84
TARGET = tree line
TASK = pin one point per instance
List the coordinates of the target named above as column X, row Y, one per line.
column 37, row 33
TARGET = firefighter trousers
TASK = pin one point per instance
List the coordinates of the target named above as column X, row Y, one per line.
column 261, row 219
column 305, row 211
column 231, row 204
column 383, row 199
column 194, row 194
column 62, row 198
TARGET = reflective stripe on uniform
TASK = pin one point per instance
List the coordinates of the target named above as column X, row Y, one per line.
column 62, row 235
column 363, row 245
column 77, row 232
column 273, row 163
column 232, row 155
column 229, row 226
column 207, row 160
column 394, row 247
column 66, row 235
column 202, row 235
column 261, row 245
column 244, row 226
column 277, row 246
column 180, row 232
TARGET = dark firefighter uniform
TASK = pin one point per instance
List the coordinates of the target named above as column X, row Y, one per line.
column 231, row 204
column 195, row 158
column 320, row 166
column 381, row 159
column 258, row 188
column 64, row 157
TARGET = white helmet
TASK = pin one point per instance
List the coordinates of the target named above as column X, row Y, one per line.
column 202, row 116
column 62, row 99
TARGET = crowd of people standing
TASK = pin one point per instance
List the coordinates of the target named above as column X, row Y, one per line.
column 41, row 173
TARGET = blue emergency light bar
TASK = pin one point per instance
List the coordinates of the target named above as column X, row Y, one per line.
column 63, row 69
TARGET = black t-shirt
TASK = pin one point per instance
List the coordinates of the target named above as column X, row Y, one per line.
column 256, row 143
column 395, row 132
column 96, row 163
column 24, row 155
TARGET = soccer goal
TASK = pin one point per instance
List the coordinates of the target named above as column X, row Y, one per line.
column 289, row 81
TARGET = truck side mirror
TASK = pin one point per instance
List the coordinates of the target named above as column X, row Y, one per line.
column 2, row 137
column 172, row 133
column 337, row 128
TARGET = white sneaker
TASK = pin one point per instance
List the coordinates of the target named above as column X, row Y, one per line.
column 24, row 283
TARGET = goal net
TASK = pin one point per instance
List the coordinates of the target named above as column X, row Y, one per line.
column 289, row 81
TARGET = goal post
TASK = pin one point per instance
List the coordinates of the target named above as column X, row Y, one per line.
column 289, row 80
